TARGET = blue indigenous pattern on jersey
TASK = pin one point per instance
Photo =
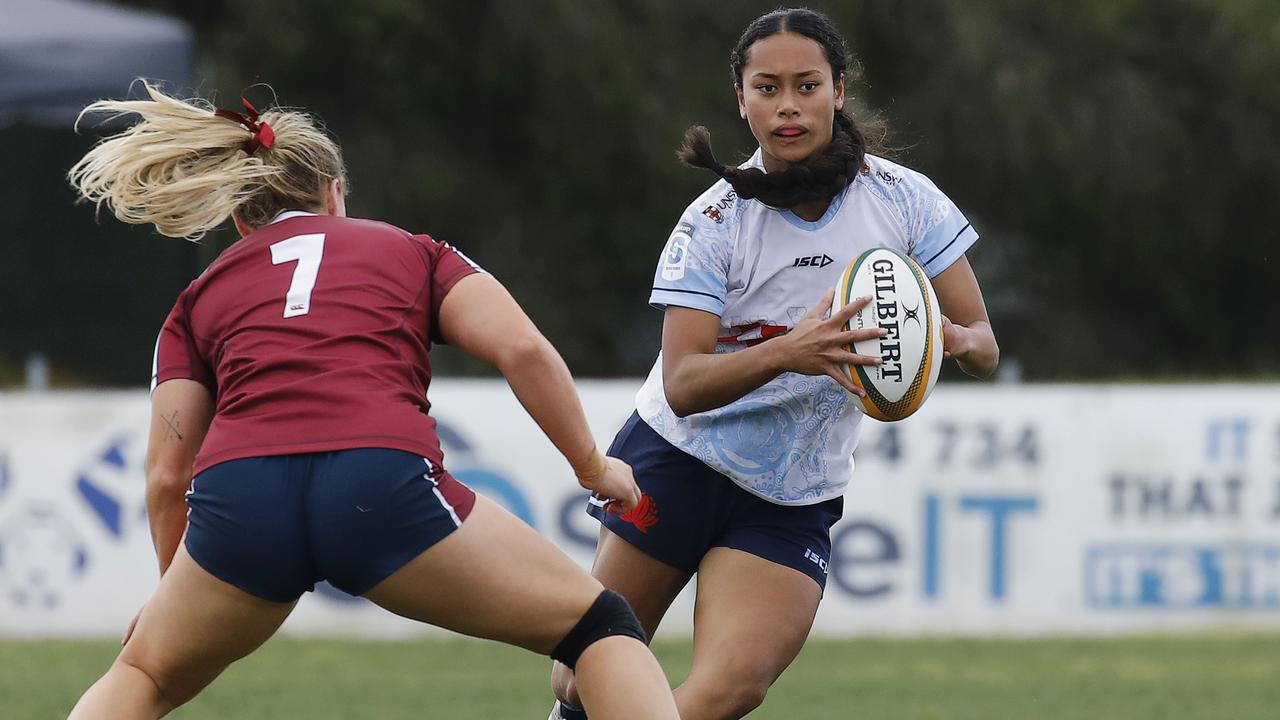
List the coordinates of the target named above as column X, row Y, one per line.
column 771, row 441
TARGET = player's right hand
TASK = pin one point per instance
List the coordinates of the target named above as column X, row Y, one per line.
column 819, row 345
column 616, row 486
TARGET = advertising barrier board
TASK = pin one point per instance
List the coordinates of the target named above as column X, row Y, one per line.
column 1060, row 509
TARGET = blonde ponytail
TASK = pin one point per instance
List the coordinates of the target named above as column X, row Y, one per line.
column 185, row 170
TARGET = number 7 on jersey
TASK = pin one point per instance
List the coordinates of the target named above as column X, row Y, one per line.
column 307, row 250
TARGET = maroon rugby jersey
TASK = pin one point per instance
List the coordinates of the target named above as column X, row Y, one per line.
column 312, row 333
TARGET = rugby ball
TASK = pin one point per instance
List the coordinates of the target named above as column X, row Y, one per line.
column 903, row 303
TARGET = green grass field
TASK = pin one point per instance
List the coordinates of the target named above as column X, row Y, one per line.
column 1213, row 678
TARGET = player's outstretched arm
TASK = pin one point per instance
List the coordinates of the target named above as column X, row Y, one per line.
column 481, row 318
column 180, row 414
column 696, row 378
column 967, row 336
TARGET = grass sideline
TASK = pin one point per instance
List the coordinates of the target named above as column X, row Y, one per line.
column 1142, row 678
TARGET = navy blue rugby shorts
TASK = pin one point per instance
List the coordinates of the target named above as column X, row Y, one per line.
column 689, row 508
column 274, row 526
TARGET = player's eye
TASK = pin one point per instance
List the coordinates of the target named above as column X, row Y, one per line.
column 767, row 89
column 809, row 86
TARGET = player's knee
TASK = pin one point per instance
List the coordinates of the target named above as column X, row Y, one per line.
column 728, row 696
column 166, row 692
column 562, row 684
column 609, row 615
column 742, row 697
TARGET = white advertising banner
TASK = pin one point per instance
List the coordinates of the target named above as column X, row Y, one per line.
column 994, row 510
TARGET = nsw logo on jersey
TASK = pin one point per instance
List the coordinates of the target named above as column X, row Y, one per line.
column 677, row 254
column 888, row 178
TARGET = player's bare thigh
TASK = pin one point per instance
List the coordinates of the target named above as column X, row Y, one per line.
column 751, row 618
column 650, row 585
column 494, row 577
column 194, row 626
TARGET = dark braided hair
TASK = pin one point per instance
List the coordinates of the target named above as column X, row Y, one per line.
column 822, row 175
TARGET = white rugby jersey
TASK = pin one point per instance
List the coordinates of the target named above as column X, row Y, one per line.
column 758, row 268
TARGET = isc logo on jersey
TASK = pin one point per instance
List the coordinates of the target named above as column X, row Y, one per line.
column 677, row 253
column 818, row 261
column 904, row 305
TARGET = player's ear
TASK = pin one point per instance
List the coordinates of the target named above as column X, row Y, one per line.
column 241, row 226
column 335, row 202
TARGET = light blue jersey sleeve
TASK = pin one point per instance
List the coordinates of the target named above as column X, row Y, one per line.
column 938, row 234
column 693, row 271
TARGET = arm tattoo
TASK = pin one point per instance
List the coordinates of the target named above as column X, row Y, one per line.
column 172, row 422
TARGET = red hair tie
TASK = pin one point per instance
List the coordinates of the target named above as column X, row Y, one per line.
column 263, row 135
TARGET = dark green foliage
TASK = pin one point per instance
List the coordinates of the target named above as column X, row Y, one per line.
column 1120, row 159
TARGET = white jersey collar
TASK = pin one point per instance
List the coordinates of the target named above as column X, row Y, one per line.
column 287, row 214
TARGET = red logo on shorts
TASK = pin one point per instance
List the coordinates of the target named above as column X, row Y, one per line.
column 644, row 515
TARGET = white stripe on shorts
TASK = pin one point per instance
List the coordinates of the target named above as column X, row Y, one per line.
column 456, row 521
column 435, row 488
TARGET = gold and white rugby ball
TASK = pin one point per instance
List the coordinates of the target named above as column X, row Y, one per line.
column 904, row 304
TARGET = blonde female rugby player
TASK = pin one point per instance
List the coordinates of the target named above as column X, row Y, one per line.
column 289, row 405
column 743, row 435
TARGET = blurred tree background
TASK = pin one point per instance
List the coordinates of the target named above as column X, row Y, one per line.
column 1121, row 159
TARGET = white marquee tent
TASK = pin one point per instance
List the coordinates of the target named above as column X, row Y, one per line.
column 56, row 56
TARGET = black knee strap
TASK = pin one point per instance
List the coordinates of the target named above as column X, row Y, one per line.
column 608, row 615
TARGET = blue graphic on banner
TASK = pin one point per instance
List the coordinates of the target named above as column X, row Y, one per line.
column 41, row 557
column 113, row 480
column 461, row 462
column 500, row 489
column 932, row 551
column 998, row 510
column 1228, row 439
column 1182, row 577
column 452, row 440
column 113, row 456
column 103, row 505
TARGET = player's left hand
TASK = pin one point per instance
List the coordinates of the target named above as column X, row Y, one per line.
column 951, row 338
column 616, row 486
